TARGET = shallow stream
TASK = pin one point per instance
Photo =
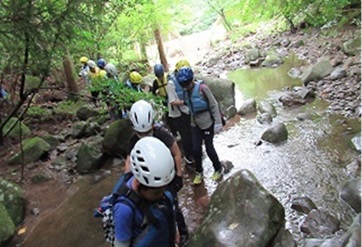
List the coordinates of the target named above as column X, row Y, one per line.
column 312, row 163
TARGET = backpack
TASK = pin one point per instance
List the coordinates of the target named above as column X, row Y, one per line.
column 123, row 194
column 203, row 99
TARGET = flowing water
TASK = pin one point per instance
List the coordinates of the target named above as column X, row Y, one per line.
column 312, row 163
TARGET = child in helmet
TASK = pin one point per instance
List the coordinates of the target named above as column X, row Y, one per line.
column 153, row 169
column 141, row 116
column 205, row 121
column 96, row 76
column 135, row 80
column 84, row 69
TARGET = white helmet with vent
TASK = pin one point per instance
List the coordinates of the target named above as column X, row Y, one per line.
column 152, row 163
column 141, row 115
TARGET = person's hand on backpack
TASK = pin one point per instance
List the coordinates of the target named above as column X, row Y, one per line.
column 218, row 128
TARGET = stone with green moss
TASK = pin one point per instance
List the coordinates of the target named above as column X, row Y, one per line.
column 19, row 127
column 12, row 197
column 34, row 149
column 7, row 227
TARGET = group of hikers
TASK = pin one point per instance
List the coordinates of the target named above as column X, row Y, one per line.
column 143, row 208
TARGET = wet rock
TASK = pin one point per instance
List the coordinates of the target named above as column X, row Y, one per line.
column 291, row 99
column 354, row 168
column 319, row 224
column 338, row 73
column 303, row 205
column 294, row 72
column 312, row 242
column 356, row 141
column 318, row 71
column 231, row 112
column 228, row 166
column 284, row 239
column 351, row 194
column 264, row 118
column 266, row 107
column 304, row 116
column 248, row 107
column 272, row 61
column 275, row 134
column 253, row 218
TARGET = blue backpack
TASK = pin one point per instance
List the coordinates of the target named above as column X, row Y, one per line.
column 160, row 227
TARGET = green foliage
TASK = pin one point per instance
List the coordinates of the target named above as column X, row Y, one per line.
column 68, row 107
column 119, row 96
column 38, row 113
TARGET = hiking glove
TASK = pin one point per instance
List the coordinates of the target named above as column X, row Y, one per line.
column 217, row 128
column 178, row 183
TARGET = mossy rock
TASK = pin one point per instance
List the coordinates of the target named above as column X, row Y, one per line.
column 7, row 227
column 12, row 197
column 15, row 132
column 34, row 149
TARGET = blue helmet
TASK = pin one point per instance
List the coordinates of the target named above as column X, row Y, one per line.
column 158, row 70
column 101, row 63
column 185, row 75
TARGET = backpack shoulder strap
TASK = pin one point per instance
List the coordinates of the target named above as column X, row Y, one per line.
column 134, row 200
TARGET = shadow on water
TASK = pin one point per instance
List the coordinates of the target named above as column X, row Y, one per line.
column 312, row 162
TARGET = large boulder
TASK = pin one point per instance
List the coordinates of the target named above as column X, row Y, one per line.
column 241, row 213
column 275, row 134
column 34, row 149
column 19, row 127
column 317, row 71
column 248, row 107
column 116, row 138
column 351, row 193
column 223, row 90
column 12, row 197
column 90, row 155
column 84, row 113
column 353, row 47
column 7, row 227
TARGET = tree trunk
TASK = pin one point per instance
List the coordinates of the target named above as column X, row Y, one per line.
column 161, row 51
column 69, row 75
column 143, row 51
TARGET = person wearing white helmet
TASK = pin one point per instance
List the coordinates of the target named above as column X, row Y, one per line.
column 142, row 119
column 112, row 71
column 151, row 164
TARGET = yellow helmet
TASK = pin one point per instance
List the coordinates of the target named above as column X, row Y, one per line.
column 135, row 77
column 182, row 63
column 83, row 59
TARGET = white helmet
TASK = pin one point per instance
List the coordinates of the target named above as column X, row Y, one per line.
column 141, row 115
column 111, row 69
column 152, row 163
column 91, row 64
